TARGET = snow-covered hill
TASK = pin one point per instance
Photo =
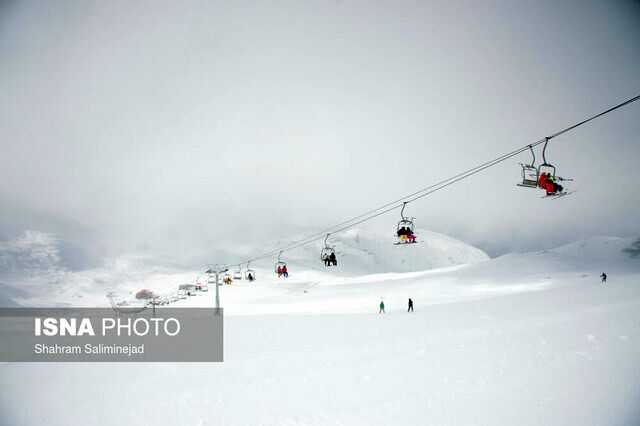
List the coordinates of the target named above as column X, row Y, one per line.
column 364, row 251
column 33, row 264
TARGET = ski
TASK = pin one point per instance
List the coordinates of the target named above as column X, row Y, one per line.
column 562, row 194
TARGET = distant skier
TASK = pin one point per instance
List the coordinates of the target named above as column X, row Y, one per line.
column 381, row 311
column 285, row 272
column 250, row 277
column 410, row 306
column 604, row 277
column 332, row 259
column 325, row 258
column 279, row 271
column 411, row 237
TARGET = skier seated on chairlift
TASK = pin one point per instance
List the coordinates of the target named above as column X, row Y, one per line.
column 326, row 260
column 279, row 271
column 546, row 182
column 332, row 259
column 285, row 272
column 403, row 234
column 250, row 277
column 411, row 237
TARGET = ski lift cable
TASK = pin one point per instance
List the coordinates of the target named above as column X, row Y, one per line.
column 315, row 237
column 434, row 187
column 371, row 214
column 309, row 240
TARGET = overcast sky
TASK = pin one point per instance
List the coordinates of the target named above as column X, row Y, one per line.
column 179, row 126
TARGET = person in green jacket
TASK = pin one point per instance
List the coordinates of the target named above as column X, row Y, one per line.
column 381, row 308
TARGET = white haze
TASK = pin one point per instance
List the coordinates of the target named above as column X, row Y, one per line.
column 174, row 128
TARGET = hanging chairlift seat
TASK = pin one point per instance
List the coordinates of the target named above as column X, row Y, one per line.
column 251, row 272
column 407, row 223
column 327, row 251
column 529, row 176
column 279, row 264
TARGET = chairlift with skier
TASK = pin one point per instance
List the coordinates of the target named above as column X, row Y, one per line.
column 250, row 274
column 547, row 178
column 405, row 228
column 280, row 266
column 328, row 254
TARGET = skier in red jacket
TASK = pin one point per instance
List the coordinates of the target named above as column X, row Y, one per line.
column 542, row 182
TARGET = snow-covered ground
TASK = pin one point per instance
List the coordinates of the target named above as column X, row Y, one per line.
column 528, row 338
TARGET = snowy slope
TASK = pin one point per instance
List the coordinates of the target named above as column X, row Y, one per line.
column 527, row 339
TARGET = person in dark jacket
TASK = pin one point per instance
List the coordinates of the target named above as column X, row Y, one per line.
column 402, row 234
column 410, row 305
column 604, row 277
column 332, row 259
column 554, row 185
column 381, row 311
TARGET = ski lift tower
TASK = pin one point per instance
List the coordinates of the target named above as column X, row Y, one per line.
column 216, row 271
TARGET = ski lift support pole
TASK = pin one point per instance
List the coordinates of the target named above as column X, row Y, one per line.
column 217, row 270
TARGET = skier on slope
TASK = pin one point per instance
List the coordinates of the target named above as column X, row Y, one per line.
column 604, row 277
column 381, row 311
column 410, row 305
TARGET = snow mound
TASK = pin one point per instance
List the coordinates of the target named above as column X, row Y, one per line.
column 610, row 252
column 365, row 251
column 433, row 250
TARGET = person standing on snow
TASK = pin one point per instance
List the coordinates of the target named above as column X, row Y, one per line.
column 382, row 311
column 410, row 305
column 604, row 277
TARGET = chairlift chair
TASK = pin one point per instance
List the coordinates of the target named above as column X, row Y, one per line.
column 251, row 272
column 279, row 264
column 529, row 173
column 327, row 251
column 406, row 222
column 238, row 274
column 546, row 167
